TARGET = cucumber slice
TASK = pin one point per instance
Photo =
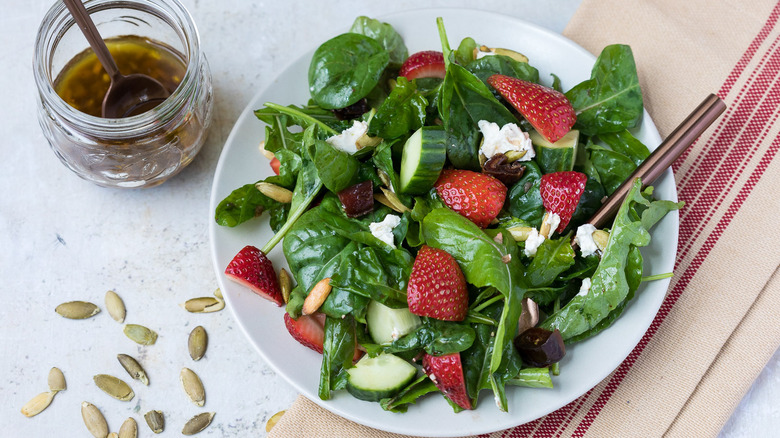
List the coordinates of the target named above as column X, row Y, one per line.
column 558, row 156
column 375, row 378
column 422, row 160
column 386, row 324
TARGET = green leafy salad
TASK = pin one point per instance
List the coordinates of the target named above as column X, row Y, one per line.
column 433, row 211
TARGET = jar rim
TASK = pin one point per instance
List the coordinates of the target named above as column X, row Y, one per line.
column 58, row 20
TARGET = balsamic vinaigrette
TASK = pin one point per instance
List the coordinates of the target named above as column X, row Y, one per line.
column 83, row 82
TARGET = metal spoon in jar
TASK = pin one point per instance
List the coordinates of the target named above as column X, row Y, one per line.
column 127, row 95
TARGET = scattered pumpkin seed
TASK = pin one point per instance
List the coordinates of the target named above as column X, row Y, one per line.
column 140, row 334
column 273, row 420
column 94, row 420
column 218, row 294
column 115, row 306
column 77, row 310
column 129, row 429
column 133, row 368
column 155, row 420
column 113, row 435
column 197, row 423
column 57, row 380
column 193, row 386
column 197, row 343
column 115, row 387
column 37, row 404
column 203, row 305
column 285, row 284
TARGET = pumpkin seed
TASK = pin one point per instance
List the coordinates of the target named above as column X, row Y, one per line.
column 285, row 284
column 197, row 423
column 114, row 387
column 155, row 420
column 140, row 334
column 197, row 343
column 37, row 404
column 129, row 429
column 273, row 420
column 115, row 306
column 94, row 420
column 77, row 310
column 218, row 294
column 113, row 435
column 203, row 305
column 193, row 386
column 133, row 368
column 57, row 380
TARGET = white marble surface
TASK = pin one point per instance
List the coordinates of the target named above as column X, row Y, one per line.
column 66, row 239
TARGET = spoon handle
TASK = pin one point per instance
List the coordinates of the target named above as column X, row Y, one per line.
column 89, row 30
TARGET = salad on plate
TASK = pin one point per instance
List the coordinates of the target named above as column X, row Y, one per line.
column 433, row 210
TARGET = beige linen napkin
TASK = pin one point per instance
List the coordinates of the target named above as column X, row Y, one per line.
column 719, row 324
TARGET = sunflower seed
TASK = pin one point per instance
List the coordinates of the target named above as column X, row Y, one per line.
column 197, row 342
column 133, row 368
column 57, row 380
column 155, row 420
column 77, row 310
column 115, row 306
column 273, row 420
column 37, row 404
column 203, row 305
column 285, row 284
column 94, row 420
column 197, row 423
column 140, row 334
column 129, row 429
column 193, row 386
column 114, row 387
column 277, row 193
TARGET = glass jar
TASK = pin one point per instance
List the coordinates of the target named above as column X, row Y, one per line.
column 138, row 151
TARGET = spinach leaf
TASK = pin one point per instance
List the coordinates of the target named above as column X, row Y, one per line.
column 289, row 165
column 464, row 54
column 435, row 337
column 556, row 84
column 487, row 66
column 409, row 395
column 613, row 167
column 403, row 111
column 337, row 169
column 386, row 35
column 626, row 144
column 609, row 287
column 532, row 378
column 345, row 69
column 242, row 204
column 361, row 272
column 278, row 216
column 553, row 257
column 544, row 296
column 525, row 199
column 383, row 160
column 338, row 349
column 591, row 198
column 611, row 100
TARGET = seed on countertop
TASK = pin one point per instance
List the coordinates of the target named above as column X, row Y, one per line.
column 129, row 429
column 285, row 284
column 273, row 420
column 155, row 420
column 193, row 386
column 113, row 435
column 115, row 306
column 114, row 387
column 133, row 368
column 203, row 305
column 197, row 343
column 77, row 310
column 37, row 404
column 94, row 420
column 140, row 334
column 197, row 423
column 57, row 380
column 218, row 294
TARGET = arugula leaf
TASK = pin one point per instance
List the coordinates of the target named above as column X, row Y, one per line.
column 386, row 35
column 611, row 100
column 338, row 349
column 281, row 117
column 346, row 69
column 403, row 111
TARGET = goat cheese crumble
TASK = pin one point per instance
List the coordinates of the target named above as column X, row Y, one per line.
column 384, row 230
column 502, row 140
column 533, row 242
column 347, row 140
column 585, row 288
column 585, row 240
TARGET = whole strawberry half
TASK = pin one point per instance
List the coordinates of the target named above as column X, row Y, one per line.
column 477, row 196
column 436, row 286
column 446, row 372
column 425, row 64
column 251, row 268
column 548, row 110
column 309, row 330
column 561, row 192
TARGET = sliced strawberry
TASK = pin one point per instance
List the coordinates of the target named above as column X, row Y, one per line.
column 251, row 268
column 477, row 196
column 446, row 372
column 561, row 192
column 275, row 164
column 548, row 110
column 425, row 64
column 309, row 330
column 436, row 286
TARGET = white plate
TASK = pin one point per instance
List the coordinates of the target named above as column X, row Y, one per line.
column 585, row 364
